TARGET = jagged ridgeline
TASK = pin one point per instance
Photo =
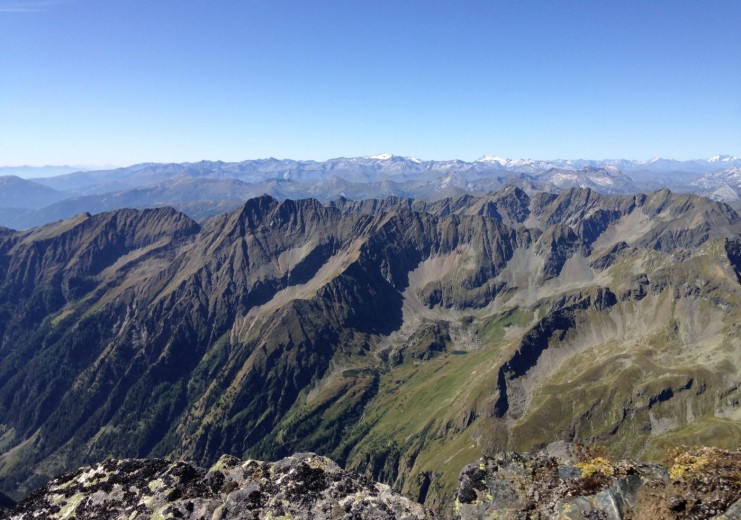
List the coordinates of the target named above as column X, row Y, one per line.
column 404, row 339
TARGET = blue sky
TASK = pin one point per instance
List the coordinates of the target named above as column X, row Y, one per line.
column 126, row 81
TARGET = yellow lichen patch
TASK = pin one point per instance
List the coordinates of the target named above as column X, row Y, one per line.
column 69, row 483
column 68, row 510
column 598, row 465
column 159, row 514
column 154, row 485
column 319, row 463
column 704, row 460
column 684, row 465
column 221, row 464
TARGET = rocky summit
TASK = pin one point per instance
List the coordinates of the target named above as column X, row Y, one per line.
column 562, row 481
column 303, row 486
column 570, row 482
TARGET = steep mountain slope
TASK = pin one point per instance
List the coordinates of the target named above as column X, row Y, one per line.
column 402, row 338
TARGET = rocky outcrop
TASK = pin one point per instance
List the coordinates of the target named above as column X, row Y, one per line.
column 562, row 481
column 303, row 486
column 570, row 482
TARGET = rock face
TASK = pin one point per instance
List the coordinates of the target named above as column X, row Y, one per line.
column 304, row 486
column 567, row 482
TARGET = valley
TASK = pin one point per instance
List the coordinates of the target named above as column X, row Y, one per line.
column 402, row 338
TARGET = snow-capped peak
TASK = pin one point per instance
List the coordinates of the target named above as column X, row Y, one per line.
column 653, row 160
column 381, row 156
column 492, row 158
column 723, row 158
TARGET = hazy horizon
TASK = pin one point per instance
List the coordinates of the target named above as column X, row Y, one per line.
column 91, row 167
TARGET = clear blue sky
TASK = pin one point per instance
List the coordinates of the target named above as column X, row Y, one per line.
column 125, row 81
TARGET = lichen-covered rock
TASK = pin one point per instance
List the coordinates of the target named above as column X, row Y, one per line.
column 567, row 482
column 303, row 486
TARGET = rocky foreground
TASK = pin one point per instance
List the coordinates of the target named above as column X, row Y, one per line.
column 303, row 486
column 568, row 482
column 561, row 482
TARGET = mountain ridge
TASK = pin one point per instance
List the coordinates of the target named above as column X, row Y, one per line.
column 400, row 337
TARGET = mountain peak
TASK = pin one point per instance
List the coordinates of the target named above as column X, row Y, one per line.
column 723, row 158
column 491, row 158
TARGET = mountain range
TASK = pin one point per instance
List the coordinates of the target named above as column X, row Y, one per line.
column 208, row 188
column 403, row 338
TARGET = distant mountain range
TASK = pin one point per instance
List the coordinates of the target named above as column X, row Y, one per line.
column 28, row 172
column 210, row 187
